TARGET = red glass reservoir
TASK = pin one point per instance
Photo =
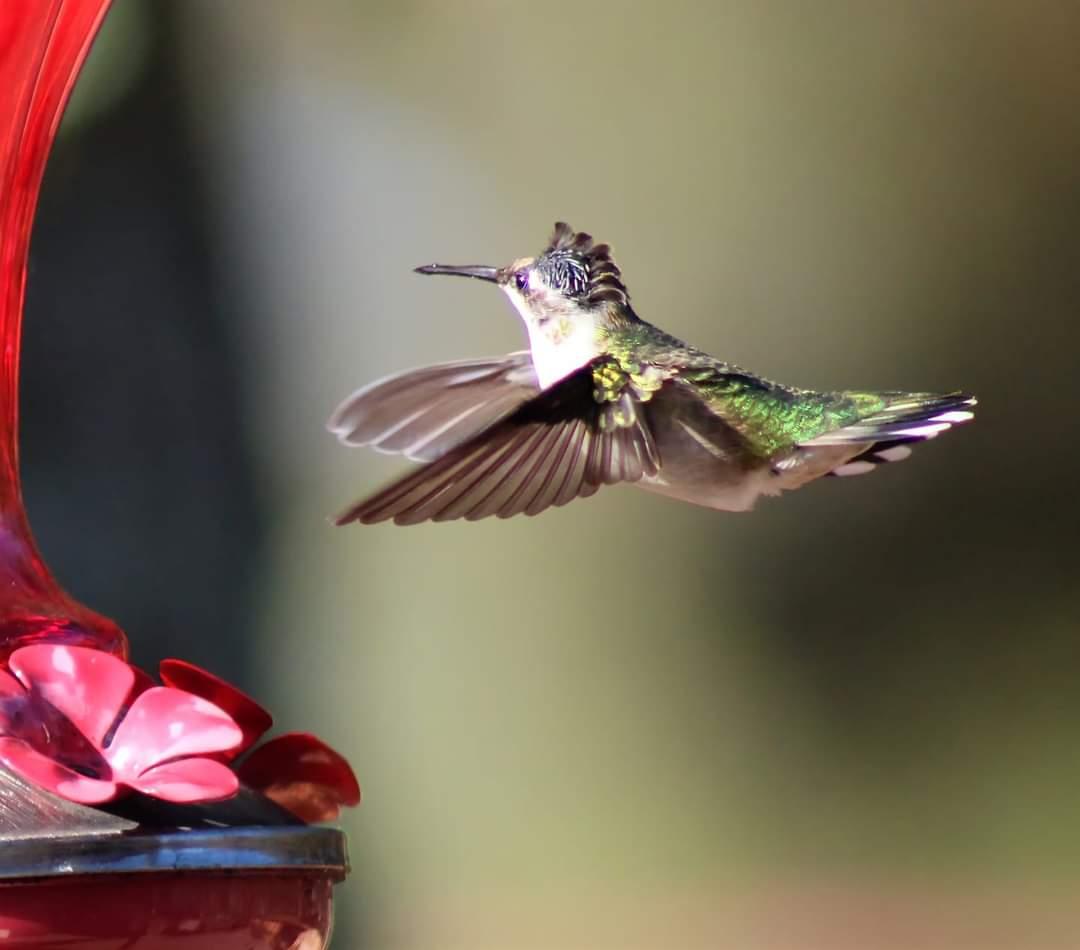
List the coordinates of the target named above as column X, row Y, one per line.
column 42, row 45
column 140, row 874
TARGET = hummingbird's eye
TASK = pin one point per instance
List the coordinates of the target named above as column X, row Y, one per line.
column 521, row 280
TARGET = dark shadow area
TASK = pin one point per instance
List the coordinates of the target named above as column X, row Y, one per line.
column 138, row 479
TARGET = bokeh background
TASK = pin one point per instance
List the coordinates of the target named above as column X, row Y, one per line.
column 849, row 720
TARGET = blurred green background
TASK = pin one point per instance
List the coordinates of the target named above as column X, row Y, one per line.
column 848, row 720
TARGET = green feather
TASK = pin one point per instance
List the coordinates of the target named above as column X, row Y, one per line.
column 771, row 418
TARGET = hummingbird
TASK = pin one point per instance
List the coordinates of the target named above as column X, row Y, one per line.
column 602, row 397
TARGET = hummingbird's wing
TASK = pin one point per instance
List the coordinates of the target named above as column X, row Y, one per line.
column 422, row 413
column 560, row 445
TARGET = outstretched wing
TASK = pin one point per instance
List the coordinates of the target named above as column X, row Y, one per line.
column 423, row 413
column 560, row 445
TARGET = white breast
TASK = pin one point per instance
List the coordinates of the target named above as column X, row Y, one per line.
column 559, row 344
column 558, row 355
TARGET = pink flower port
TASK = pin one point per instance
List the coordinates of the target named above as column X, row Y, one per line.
column 297, row 770
column 89, row 727
column 110, row 730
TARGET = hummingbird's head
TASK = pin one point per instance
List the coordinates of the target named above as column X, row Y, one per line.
column 571, row 278
column 569, row 296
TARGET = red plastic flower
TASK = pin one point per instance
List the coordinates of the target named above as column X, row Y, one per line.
column 252, row 719
column 297, row 770
column 302, row 774
column 89, row 727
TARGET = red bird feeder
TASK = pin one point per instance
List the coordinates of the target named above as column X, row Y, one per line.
column 131, row 813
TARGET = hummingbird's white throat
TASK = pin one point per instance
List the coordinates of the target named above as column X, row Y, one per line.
column 562, row 338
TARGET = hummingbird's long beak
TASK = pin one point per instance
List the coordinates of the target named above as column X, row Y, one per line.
column 479, row 271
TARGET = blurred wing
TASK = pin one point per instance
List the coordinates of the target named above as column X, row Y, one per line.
column 558, row 446
column 422, row 413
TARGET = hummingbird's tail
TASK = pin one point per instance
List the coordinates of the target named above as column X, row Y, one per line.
column 892, row 423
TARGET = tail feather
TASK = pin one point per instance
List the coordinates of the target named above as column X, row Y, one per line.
column 879, row 453
column 889, row 430
column 904, row 417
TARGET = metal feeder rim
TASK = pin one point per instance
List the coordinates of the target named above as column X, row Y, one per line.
column 309, row 849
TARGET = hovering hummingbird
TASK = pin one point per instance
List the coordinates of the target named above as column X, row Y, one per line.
column 602, row 397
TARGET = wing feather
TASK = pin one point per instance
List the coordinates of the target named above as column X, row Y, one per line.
column 536, row 477
column 423, row 413
column 559, row 445
column 567, row 455
column 472, row 492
